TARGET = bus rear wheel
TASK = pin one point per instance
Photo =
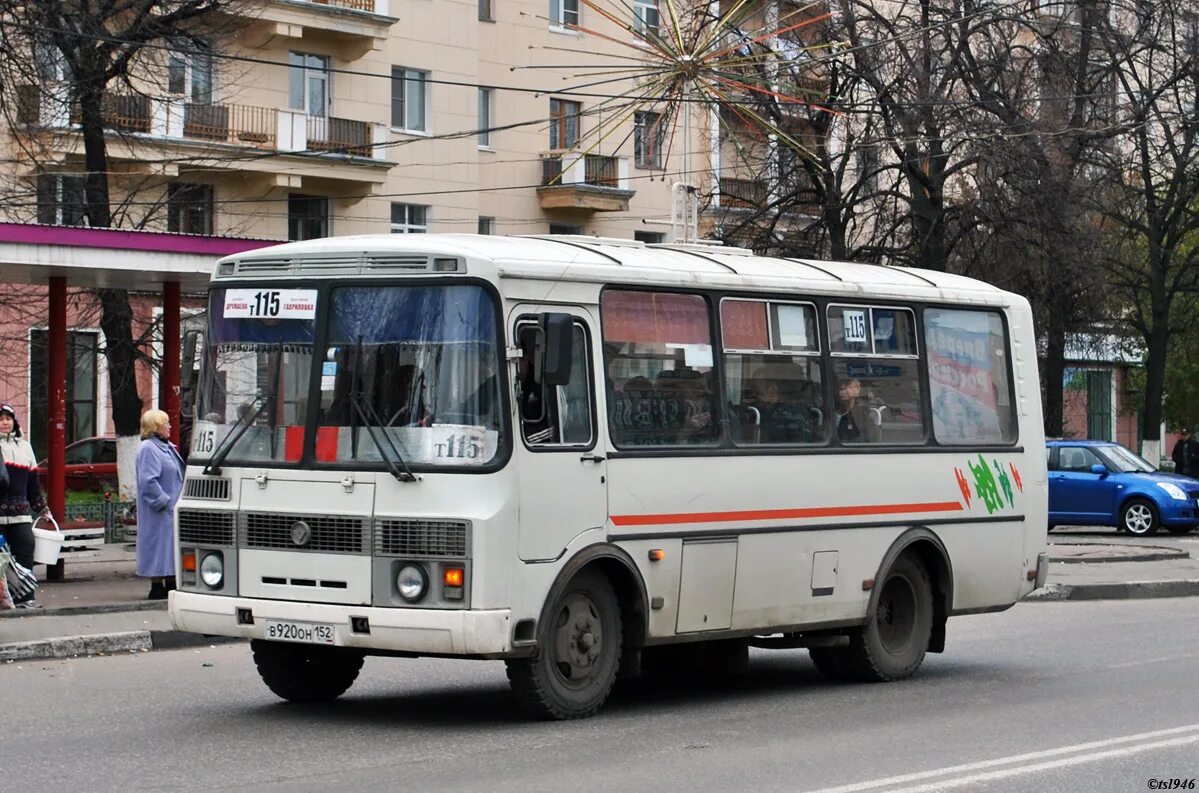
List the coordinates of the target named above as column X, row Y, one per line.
column 578, row 653
column 892, row 645
column 306, row 673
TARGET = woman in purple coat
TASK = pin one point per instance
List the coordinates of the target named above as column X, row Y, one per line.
column 159, row 483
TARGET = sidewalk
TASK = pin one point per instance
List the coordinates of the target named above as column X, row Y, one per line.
column 101, row 606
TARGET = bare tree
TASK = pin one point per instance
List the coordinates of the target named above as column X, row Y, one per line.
column 107, row 52
column 1150, row 190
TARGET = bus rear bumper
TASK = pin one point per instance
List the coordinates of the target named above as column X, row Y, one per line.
column 421, row 631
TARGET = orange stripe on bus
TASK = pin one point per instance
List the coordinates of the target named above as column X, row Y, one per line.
column 783, row 514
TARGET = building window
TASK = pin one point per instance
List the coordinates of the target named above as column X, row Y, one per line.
column 563, row 228
column 484, row 116
column 486, row 225
column 649, row 237
column 82, row 352
column 564, row 123
column 564, row 12
column 647, row 140
column 60, row 199
column 486, row 11
column 308, row 87
column 189, row 208
column 646, row 19
column 408, row 98
column 190, row 75
column 307, row 217
column 409, row 219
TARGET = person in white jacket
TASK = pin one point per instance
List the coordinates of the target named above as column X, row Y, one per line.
column 22, row 499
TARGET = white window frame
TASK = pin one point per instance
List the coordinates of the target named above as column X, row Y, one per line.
column 564, row 13
column 640, row 130
column 311, row 72
column 408, row 77
column 643, row 12
column 486, row 113
column 192, row 75
column 408, row 225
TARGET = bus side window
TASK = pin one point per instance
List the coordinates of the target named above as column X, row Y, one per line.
column 557, row 415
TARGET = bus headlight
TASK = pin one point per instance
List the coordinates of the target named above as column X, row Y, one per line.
column 212, row 570
column 412, row 582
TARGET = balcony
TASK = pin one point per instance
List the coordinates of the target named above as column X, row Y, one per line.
column 593, row 182
column 320, row 141
column 742, row 194
column 350, row 27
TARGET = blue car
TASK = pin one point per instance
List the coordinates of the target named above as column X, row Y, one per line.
column 1100, row 483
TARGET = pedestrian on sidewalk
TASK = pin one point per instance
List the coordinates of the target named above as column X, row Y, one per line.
column 23, row 497
column 159, row 485
column 1185, row 454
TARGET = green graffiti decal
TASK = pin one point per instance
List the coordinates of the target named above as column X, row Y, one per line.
column 1005, row 483
column 984, row 485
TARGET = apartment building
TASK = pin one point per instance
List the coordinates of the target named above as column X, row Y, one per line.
column 331, row 117
column 311, row 118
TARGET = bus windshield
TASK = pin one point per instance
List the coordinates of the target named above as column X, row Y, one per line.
column 251, row 404
column 419, row 362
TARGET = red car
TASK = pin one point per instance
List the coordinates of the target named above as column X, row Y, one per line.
column 91, row 464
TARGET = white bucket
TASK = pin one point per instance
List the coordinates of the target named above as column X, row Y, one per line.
column 46, row 544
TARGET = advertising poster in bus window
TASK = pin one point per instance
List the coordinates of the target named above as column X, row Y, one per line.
column 963, row 390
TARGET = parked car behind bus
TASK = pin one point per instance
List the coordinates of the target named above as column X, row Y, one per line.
column 91, row 464
column 1100, row 483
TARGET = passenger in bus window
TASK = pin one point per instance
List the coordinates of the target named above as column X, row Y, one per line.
column 855, row 422
column 787, row 406
column 687, row 405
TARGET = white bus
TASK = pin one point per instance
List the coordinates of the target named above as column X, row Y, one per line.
column 582, row 455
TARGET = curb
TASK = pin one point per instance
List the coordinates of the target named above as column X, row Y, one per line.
column 107, row 644
column 1116, row 591
column 75, row 611
column 1140, row 553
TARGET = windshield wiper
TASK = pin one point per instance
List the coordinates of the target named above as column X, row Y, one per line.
column 370, row 419
column 246, row 419
column 365, row 412
column 239, row 429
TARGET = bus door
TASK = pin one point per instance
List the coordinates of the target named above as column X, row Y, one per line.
column 559, row 456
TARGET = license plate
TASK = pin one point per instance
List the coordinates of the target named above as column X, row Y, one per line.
column 306, row 632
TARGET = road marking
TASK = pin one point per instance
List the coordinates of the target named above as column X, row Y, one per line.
column 1175, row 736
column 1158, row 660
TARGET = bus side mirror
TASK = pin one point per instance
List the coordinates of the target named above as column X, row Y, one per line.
column 556, row 337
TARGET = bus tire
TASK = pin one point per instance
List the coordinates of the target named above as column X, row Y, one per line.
column 831, row 662
column 578, row 653
column 306, row 673
column 892, row 644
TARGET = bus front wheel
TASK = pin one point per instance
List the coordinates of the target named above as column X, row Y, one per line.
column 306, row 673
column 892, row 644
column 578, row 653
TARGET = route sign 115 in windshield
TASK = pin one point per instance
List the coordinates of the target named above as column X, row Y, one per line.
column 270, row 303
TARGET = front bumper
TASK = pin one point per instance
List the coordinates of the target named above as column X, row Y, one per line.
column 421, row 631
column 1178, row 513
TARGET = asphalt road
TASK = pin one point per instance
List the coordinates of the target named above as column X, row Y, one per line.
column 1093, row 696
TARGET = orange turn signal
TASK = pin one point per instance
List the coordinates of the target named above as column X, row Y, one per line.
column 454, row 576
column 189, row 561
column 657, row 555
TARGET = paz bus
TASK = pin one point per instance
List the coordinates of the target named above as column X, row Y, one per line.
column 587, row 457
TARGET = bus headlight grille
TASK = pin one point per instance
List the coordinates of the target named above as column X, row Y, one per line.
column 413, row 537
column 322, row 533
column 206, row 527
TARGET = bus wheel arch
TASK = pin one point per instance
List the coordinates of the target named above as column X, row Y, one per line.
column 592, row 623
column 930, row 551
column 916, row 580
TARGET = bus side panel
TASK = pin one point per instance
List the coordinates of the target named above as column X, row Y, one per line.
column 783, row 510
